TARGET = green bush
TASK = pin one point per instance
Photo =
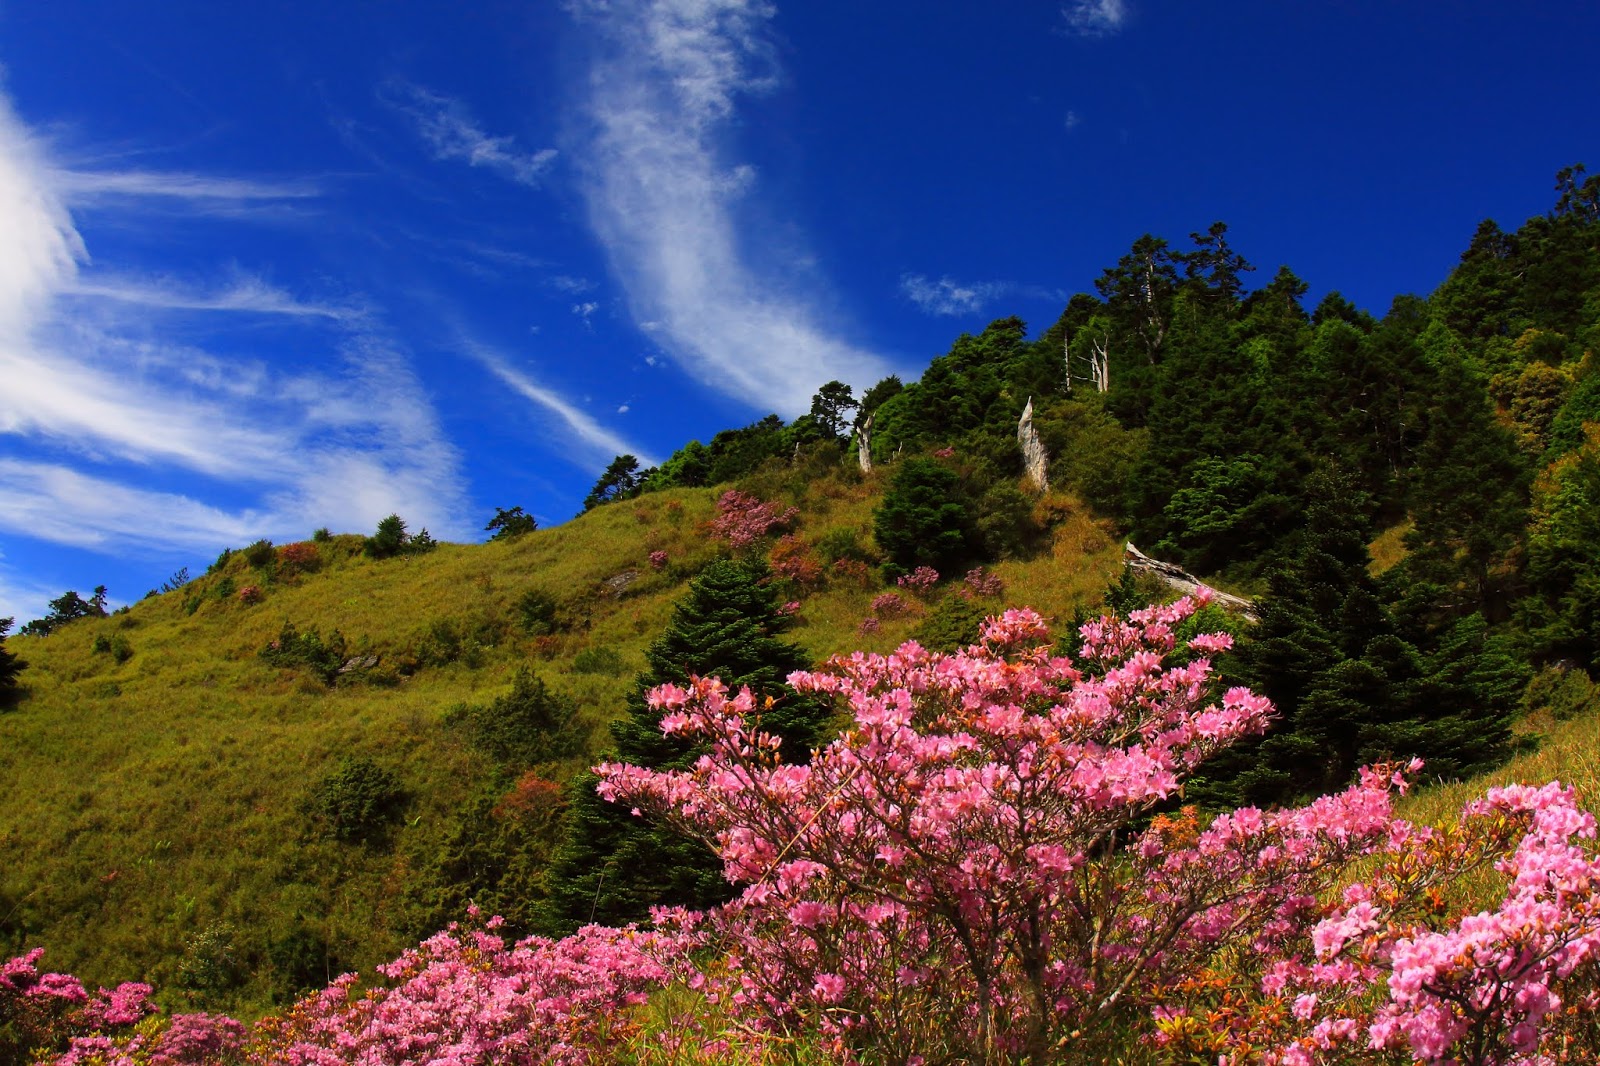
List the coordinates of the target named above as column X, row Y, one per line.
column 261, row 555
column 538, row 613
column 117, row 647
column 356, row 802
column 294, row 648
column 598, row 660
column 950, row 626
column 210, row 965
column 523, row 727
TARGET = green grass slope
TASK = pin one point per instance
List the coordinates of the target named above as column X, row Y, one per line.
column 156, row 826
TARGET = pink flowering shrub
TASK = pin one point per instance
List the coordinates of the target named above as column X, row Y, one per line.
column 980, row 585
column 743, row 519
column 920, row 581
column 658, row 560
column 959, row 877
column 464, row 997
column 41, row 1013
column 889, row 605
column 250, row 594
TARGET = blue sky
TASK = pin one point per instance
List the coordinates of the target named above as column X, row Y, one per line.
column 273, row 267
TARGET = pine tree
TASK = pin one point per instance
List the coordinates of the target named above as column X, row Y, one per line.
column 612, row 867
column 1353, row 682
column 10, row 667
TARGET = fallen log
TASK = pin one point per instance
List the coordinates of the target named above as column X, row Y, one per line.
column 1177, row 577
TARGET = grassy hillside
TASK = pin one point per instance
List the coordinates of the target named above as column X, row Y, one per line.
column 157, row 826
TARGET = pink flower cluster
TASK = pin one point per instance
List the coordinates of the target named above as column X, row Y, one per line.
column 980, row 585
column 743, row 519
column 889, row 605
column 658, row 560
column 920, row 580
column 40, row 1012
column 465, row 997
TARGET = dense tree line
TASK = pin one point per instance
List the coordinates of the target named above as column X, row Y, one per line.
column 1250, row 438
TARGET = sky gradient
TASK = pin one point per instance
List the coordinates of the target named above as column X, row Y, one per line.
column 305, row 265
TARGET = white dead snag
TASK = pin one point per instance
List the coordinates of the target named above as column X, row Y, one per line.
column 1035, row 460
column 864, row 444
column 1178, row 578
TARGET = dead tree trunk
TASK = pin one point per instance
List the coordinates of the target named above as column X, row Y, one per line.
column 1178, row 578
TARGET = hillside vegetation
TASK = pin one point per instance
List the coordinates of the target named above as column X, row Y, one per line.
column 315, row 754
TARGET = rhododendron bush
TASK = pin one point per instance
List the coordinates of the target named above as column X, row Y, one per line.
column 961, row 876
column 989, row 865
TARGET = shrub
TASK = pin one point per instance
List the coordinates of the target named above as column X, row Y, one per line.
column 658, row 560
column 852, row 572
column 260, row 555
column 68, row 607
column 980, row 585
column 843, row 542
column 117, row 647
column 356, row 802
column 299, row 558
column 250, row 595
column 920, row 581
column 390, row 537
column 450, row 640
column 791, row 559
column 970, row 873
column 889, row 605
column 210, row 965
column 321, row 536
column 221, row 562
column 508, row 524
column 598, row 660
column 952, row 625
column 538, row 613
column 293, row 648
column 743, row 519
column 523, row 727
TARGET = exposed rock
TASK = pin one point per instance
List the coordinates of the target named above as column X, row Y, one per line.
column 1034, row 458
column 864, row 445
column 617, row 584
column 360, row 662
column 1177, row 577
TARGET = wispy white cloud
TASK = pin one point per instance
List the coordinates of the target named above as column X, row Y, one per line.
column 947, row 296
column 600, row 442
column 98, row 413
column 81, row 187
column 569, row 284
column 244, row 294
column 662, row 193
column 1094, row 18
column 1072, row 121
column 451, row 133
column 585, row 310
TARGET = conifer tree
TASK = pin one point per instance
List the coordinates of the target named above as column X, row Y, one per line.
column 1353, row 683
column 10, row 667
column 613, row 866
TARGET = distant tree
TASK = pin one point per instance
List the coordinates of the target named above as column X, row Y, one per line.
column 508, row 524
column 1469, row 486
column 621, row 480
column 873, row 397
column 390, row 539
column 1352, row 681
column 523, row 727
column 923, row 520
column 68, row 607
column 612, row 867
column 10, row 667
column 830, row 407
